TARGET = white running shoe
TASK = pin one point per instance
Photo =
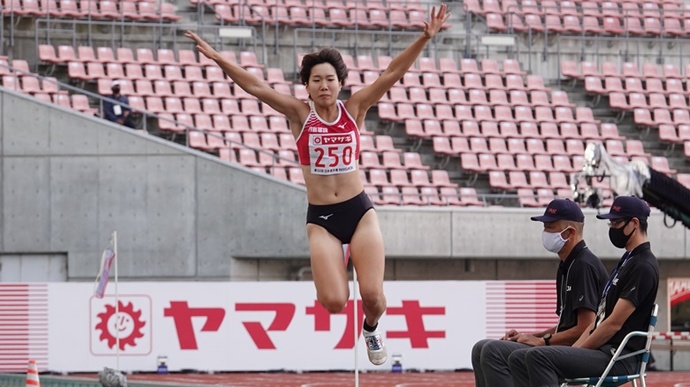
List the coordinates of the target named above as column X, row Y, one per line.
column 376, row 349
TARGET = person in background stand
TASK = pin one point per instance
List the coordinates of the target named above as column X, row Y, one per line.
column 119, row 113
column 580, row 279
column 626, row 305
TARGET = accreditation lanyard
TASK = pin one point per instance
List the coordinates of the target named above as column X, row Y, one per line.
column 613, row 278
column 564, row 292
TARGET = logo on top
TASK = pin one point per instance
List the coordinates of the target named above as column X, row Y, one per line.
column 553, row 210
column 127, row 327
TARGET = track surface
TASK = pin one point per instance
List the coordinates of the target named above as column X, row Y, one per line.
column 335, row 379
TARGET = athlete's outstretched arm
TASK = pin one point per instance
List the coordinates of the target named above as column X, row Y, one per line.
column 285, row 104
column 361, row 101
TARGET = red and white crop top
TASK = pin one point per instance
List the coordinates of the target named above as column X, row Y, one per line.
column 330, row 148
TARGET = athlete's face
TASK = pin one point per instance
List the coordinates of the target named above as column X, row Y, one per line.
column 323, row 86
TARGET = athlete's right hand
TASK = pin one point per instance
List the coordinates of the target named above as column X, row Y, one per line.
column 202, row 46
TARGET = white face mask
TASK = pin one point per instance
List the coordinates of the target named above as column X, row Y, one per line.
column 553, row 241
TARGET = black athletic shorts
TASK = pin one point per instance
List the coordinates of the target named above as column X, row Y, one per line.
column 340, row 219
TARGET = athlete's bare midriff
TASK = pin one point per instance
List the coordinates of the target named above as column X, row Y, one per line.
column 331, row 189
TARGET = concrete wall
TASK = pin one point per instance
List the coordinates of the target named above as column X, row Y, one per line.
column 69, row 180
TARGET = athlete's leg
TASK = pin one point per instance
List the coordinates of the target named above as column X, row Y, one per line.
column 368, row 257
column 328, row 270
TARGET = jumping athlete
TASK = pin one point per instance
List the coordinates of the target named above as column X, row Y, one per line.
column 326, row 130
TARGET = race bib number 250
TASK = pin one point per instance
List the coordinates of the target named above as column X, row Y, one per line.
column 332, row 154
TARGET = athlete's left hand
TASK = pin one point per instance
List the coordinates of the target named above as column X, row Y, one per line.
column 436, row 21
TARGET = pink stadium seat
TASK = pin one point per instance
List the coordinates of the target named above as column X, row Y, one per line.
column 506, row 162
column 451, row 127
column 494, row 82
column 544, row 163
column 615, row 148
column 391, row 160
column 515, row 82
column 473, row 81
column 452, row 81
column 487, row 162
column 468, row 196
column 498, row 180
column 524, row 114
column 555, row 146
column 517, row 180
column 457, row 97
column 524, row 162
column 419, row 178
column 414, row 128
column 675, row 86
column 593, row 85
column 610, row 131
column 671, row 71
column 430, row 195
column 684, row 132
column 460, row 145
column 677, row 101
column 411, row 160
column 478, row 145
column 468, row 65
column 662, row 116
column 76, row 70
column 448, row 65
column 526, row 198
column 661, row 164
column 441, row 145
column 191, row 105
column 668, row 133
column 512, row 66
column 470, row 162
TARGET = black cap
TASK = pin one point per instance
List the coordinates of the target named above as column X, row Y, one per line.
column 561, row 209
column 626, row 207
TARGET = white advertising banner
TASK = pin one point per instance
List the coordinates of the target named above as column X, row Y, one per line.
column 251, row 326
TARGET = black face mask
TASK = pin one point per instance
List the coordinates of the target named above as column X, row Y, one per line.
column 618, row 237
column 116, row 90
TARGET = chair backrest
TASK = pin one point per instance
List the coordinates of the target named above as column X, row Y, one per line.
column 650, row 332
column 644, row 354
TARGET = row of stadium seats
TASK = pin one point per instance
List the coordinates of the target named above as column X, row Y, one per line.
column 616, row 8
column 580, row 70
column 93, row 9
column 653, row 106
column 417, row 5
column 635, row 85
column 492, row 97
column 332, row 17
column 400, row 112
column 141, row 56
column 509, row 130
column 568, row 17
column 573, row 25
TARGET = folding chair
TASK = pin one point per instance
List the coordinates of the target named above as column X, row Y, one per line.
column 611, row 381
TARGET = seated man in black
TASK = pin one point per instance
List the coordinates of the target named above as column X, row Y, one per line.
column 625, row 306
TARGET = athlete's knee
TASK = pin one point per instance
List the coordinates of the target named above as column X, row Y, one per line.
column 333, row 303
column 372, row 296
